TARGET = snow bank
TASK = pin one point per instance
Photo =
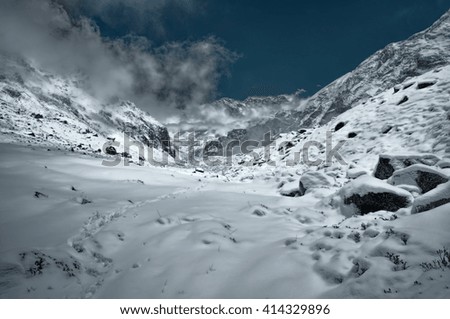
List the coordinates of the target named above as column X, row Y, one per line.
column 314, row 179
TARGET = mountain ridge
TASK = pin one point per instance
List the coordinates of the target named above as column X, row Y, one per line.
column 384, row 69
column 39, row 108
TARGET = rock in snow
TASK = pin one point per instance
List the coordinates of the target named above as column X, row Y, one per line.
column 435, row 198
column 314, row 179
column 290, row 189
column 367, row 194
column 422, row 176
column 111, row 150
column 388, row 164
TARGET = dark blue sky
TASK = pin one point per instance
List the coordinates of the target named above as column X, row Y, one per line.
column 284, row 45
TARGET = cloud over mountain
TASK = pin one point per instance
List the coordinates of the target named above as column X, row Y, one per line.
column 160, row 79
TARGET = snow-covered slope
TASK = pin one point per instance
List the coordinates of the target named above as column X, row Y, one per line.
column 41, row 109
column 412, row 117
column 392, row 65
column 388, row 67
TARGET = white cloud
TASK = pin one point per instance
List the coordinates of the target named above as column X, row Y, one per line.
column 159, row 80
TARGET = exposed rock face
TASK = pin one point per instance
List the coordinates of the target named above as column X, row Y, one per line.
column 110, row 150
column 314, row 179
column 339, row 126
column 388, row 164
column 374, row 202
column 367, row 194
column 422, row 176
column 434, row 198
column 424, row 85
column 139, row 125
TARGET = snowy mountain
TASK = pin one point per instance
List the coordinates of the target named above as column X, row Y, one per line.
column 225, row 120
column 45, row 110
column 251, row 104
column 219, row 117
column 355, row 205
column 388, row 67
column 413, row 117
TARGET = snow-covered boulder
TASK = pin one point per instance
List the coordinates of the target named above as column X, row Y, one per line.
column 367, row 194
column 388, row 164
column 435, row 198
column 355, row 172
column 414, row 190
column 444, row 163
column 290, row 189
column 422, row 176
column 314, row 179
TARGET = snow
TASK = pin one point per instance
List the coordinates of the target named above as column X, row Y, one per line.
column 438, row 196
column 368, row 184
column 130, row 249
column 289, row 188
column 315, row 179
column 444, row 163
column 167, row 232
column 354, row 172
column 152, row 232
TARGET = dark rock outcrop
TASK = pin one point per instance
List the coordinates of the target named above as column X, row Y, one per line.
column 423, row 85
column 422, row 176
column 388, row 164
column 403, row 100
column 435, row 198
column 125, row 154
column 110, row 150
column 374, row 202
column 339, row 126
column 367, row 194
